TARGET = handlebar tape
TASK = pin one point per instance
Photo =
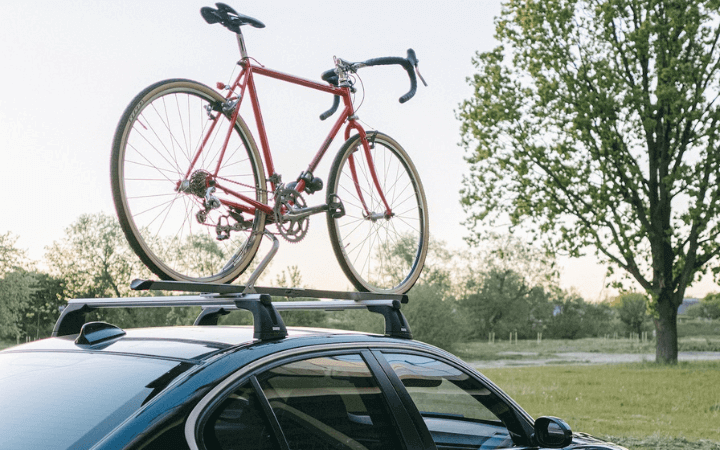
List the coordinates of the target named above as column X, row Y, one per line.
column 331, row 111
column 407, row 64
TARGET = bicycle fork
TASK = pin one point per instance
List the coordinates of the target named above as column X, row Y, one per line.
column 369, row 215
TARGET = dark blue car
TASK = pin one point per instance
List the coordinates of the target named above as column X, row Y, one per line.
column 263, row 387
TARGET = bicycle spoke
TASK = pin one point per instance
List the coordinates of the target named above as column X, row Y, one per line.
column 369, row 244
column 165, row 131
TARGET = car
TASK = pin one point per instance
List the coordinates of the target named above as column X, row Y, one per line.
column 266, row 386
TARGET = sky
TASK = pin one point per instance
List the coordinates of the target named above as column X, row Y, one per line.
column 70, row 68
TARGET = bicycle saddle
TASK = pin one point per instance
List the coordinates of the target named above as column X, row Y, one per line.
column 228, row 17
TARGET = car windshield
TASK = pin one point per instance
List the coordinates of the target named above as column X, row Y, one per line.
column 70, row 400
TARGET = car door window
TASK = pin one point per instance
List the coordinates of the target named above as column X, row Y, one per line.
column 458, row 410
column 239, row 423
column 330, row 402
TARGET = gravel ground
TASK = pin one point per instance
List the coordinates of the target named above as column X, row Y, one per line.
column 531, row 359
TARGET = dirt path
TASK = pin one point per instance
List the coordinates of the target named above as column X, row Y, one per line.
column 526, row 358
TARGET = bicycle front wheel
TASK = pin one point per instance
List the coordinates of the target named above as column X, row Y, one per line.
column 379, row 252
column 162, row 207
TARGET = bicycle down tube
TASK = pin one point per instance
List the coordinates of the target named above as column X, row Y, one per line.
column 245, row 82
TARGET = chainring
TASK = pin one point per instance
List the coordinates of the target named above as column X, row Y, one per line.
column 292, row 230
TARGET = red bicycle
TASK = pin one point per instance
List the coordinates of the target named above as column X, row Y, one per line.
column 194, row 195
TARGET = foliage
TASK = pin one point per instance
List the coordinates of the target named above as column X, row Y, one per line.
column 94, row 258
column 504, row 252
column 16, row 290
column 594, row 125
column 700, row 327
column 503, row 302
column 711, row 304
column 42, row 310
column 632, row 310
column 574, row 318
column 434, row 315
column 629, row 400
column 291, row 277
column 11, row 257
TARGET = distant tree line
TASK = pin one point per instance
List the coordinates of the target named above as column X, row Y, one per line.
column 508, row 287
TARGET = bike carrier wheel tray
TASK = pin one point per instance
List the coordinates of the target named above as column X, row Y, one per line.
column 219, row 299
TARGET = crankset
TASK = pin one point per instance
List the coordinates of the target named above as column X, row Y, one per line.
column 292, row 227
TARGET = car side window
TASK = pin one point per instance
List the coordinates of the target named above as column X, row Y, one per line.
column 239, row 423
column 457, row 409
column 330, row 402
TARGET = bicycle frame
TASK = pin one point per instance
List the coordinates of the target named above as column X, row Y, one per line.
column 245, row 83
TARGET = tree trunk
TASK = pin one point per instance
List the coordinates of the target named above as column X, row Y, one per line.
column 666, row 351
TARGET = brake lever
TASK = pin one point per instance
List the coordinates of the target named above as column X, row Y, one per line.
column 414, row 61
column 417, row 71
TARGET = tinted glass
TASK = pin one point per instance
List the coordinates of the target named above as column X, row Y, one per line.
column 458, row 410
column 330, row 403
column 70, row 400
column 239, row 423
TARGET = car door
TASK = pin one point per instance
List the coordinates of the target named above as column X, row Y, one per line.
column 332, row 400
column 451, row 406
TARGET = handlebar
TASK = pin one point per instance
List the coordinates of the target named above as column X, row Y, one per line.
column 409, row 64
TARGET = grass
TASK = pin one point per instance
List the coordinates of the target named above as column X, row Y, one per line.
column 549, row 348
column 641, row 406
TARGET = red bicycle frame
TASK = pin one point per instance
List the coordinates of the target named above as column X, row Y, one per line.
column 245, row 82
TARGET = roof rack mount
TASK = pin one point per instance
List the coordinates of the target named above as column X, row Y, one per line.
column 220, row 299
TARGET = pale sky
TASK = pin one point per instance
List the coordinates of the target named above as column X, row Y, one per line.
column 69, row 69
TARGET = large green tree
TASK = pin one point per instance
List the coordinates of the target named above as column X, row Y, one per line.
column 94, row 259
column 595, row 125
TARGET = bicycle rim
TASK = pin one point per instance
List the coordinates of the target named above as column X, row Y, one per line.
column 155, row 142
column 378, row 254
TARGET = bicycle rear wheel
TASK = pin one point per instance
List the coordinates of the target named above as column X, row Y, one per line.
column 378, row 253
column 156, row 140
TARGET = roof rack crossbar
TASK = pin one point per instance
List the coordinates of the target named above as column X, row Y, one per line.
column 188, row 286
column 395, row 323
column 267, row 322
column 220, row 299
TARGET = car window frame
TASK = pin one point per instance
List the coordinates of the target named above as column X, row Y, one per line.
column 408, row 434
column 524, row 421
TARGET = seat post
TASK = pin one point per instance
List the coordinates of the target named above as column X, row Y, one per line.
column 241, row 45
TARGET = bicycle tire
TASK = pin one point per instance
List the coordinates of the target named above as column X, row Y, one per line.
column 384, row 255
column 154, row 143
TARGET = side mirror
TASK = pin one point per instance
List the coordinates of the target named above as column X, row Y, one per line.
column 552, row 432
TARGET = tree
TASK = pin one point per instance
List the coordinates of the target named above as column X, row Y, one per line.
column 39, row 314
column 595, row 125
column 574, row 318
column 711, row 305
column 632, row 310
column 434, row 315
column 94, row 259
column 16, row 290
column 291, row 277
column 503, row 253
column 11, row 257
column 504, row 302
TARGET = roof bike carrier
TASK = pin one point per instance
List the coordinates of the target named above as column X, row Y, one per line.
column 220, row 299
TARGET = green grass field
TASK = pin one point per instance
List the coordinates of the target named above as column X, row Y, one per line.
column 641, row 406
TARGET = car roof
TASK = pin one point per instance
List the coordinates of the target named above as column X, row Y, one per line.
column 180, row 342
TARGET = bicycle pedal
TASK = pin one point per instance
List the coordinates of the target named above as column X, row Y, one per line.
column 336, row 209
